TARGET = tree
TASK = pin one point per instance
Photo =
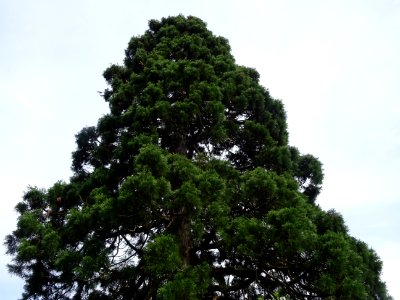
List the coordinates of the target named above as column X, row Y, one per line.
column 188, row 189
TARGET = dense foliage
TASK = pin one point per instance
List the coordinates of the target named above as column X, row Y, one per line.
column 188, row 189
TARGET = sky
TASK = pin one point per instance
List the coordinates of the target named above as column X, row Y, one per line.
column 334, row 64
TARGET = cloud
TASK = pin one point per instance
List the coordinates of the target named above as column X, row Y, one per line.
column 34, row 96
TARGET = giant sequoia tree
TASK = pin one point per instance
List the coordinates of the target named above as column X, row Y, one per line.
column 188, row 189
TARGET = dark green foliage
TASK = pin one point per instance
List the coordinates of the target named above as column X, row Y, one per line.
column 188, row 189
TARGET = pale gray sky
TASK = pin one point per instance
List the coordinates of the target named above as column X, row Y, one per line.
column 335, row 65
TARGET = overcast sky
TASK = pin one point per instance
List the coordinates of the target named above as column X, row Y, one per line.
column 334, row 64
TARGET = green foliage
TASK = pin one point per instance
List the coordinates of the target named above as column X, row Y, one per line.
column 162, row 258
column 189, row 283
column 187, row 189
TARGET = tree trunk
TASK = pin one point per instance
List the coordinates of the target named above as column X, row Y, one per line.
column 181, row 148
column 185, row 238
